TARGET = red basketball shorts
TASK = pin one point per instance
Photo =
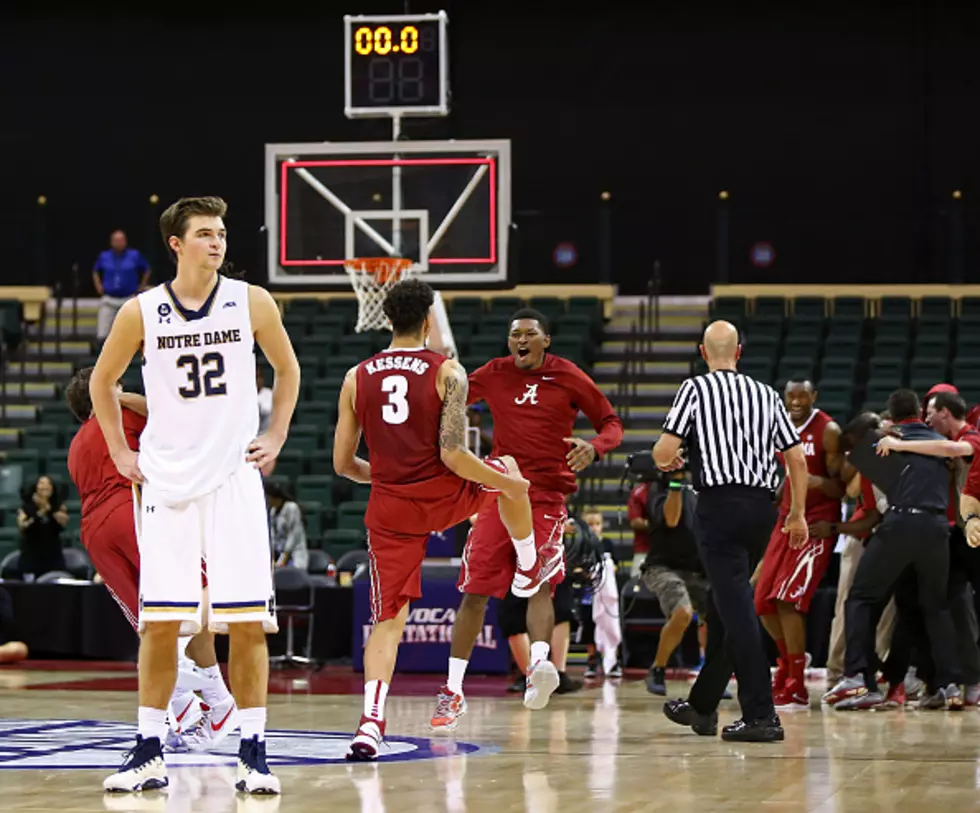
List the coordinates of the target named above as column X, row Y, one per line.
column 397, row 546
column 489, row 558
column 791, row 576
column 109, row 536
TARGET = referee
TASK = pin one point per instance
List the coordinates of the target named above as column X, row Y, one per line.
column 732, row 427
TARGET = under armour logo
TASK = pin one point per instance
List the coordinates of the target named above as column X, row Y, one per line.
column 150, row 509
column 530, row 395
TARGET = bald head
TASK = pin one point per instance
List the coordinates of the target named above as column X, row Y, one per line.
column 720, row 344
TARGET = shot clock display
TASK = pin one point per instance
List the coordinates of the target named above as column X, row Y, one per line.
column 396, row 65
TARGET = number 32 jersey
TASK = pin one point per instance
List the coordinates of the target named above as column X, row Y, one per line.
column 399, row 410
column 199, row 379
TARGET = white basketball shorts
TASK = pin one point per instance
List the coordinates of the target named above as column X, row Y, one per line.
column 229, row 529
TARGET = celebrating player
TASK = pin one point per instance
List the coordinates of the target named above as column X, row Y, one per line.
column 789, row 577
column 534, row 397
column 410, row 403
column 198, row 465
column 109, row 536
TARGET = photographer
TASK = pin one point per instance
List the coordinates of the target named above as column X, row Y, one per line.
column 673, row 569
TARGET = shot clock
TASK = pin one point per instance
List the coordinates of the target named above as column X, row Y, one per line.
column 396, row 65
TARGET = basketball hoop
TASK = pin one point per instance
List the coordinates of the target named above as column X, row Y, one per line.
column 372, row 278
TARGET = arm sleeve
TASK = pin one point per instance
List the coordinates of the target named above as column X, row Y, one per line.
column 477, row 380
column 784, row 434
column 972, row 486
column 681, row 416
column 595, row 405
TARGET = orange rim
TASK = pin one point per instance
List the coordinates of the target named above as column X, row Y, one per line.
column 382, row 269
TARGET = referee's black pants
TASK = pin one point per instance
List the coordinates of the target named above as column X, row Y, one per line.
column 733, row 525
column 917, row 543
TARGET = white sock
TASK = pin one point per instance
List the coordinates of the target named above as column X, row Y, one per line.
column 457, row 671
column 217, row 692
column 252, row 723
column 527, row 553
column 375, row 694
column 539, row 651
column 152, row 723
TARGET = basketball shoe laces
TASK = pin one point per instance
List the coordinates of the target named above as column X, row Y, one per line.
column 446, row 705
column 140, row 754
column 253, row 755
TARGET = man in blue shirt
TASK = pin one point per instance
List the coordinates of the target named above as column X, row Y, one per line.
column 119, row 274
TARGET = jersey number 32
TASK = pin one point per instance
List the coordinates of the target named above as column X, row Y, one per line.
column 210, row 383
column 396, row 410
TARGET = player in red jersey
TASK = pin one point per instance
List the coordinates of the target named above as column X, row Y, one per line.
column 789, row 577
column 410, row 404
column 534, row 398
column 109, row 535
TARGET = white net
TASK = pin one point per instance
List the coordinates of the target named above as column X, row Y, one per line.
column 371, row 279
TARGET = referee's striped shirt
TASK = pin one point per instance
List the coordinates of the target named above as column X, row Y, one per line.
column 732, row 426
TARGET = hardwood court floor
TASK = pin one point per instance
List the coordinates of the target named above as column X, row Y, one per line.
column 604, row 749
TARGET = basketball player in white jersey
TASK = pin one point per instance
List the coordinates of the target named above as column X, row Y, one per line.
column 198, row 470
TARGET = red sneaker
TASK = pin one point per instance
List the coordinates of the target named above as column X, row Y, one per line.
column 367, row 740
column 895, row 699
column 793, row 697
column 549, row 562
column 449, row 708
column 779, row 677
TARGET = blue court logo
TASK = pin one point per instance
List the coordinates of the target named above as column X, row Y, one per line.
column 92, row 744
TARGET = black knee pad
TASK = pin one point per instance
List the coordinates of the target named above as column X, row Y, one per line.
column 512, row 615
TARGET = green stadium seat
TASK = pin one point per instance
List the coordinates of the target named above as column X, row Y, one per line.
column 350, row 516
column 894, row 346
column 963, row 368
column 312, row 516
column 574, row 348
column 290, row 463
column 338, row 366
column 43, row 437
column 577, row 323
column 758, row 368
column 360, row 345
column 305, row 444
column 923, row 382
column 360, row 492
column 279, row 479
column 899, row 307
column 842, row 345
column 316, row 413
column 730, row 308
column 892, row 368
column 933, row 346
column 936, row 306
column 838, row 407
column 548, row 305
column 315, row 488
column 326, row 389
column 810, row 306
column 74, row 508
column 588, row 305
column 770, row 306
column 967, row 348
column 795, row 367
column 321, row 464
column 845, row 325
column 938, row 328
column 465, row 305
column 487, row 347
column 839, row 367
column 879, row 392
column 765, row 325
column 9, row 540
column 970, row 308
column 307, row 307
column 504, row 306
column 849, row 306
column 29, row 460
column 338, row 542
column 801, row 344
column 888, row 327
column 835, row 384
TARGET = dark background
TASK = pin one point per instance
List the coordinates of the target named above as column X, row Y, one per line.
column 839, row 134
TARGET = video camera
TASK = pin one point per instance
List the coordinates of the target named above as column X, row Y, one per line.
column 640, row 468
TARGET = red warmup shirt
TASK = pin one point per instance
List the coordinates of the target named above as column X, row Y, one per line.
column 818, row 505
column 972, row 486
column 535, row 410
column 636, row 508
column 99, row 483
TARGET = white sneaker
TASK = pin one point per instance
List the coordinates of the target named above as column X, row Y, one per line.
column 143, row 769
column 542, row 680
column 184, row 712
column 218, row 722
column 254, row 775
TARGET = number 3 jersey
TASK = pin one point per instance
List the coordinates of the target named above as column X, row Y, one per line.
column 199, row 379
column 399, row 410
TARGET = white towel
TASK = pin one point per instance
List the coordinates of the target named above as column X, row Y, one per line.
column 605, row 615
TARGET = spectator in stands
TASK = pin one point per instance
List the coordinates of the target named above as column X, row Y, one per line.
column 673, row 570
column 11, row 649
column 41, row 518
column 264, row 400
column 119, row 273
column 286, row 529
column 636, row 511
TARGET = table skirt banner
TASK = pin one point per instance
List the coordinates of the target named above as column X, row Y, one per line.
column 425, row 642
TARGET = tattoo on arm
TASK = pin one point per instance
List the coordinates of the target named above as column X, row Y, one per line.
column 452, row 425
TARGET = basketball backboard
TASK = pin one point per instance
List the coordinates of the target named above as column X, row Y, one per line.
column 443, row 204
